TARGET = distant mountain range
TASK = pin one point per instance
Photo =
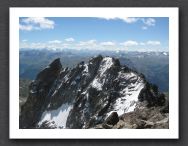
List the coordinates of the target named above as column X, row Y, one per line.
column 154, row 65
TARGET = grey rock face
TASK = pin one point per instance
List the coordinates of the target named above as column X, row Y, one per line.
column 38, row 95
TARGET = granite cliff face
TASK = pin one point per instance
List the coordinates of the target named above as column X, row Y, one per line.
column 97, row 94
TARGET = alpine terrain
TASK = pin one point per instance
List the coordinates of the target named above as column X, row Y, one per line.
column 100, row 93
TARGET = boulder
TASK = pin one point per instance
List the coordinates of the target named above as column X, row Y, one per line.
column 112, row 119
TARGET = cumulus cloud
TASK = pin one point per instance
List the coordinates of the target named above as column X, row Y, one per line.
column 130, row 20
column 36, row 23
column 86, row 43
column 142, row 43
column 129, row 43
column 93, row 44
column 37, row 45
column 107, row 43
column 26, row 27
column 147, row 22
column 69, row 39
column 125, row 19
column 55, row 42
column 153, row 43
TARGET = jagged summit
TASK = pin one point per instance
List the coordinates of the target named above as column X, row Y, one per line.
column 86, row 95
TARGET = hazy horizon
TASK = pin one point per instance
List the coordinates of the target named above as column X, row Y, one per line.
column 72, row 49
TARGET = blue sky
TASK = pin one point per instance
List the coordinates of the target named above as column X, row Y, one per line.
column 129, row 33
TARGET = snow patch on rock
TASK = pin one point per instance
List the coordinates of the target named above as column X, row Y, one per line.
column 129, row 95
column 58, row 116
column 96, row 84
column 86, row 70
column 106, row 63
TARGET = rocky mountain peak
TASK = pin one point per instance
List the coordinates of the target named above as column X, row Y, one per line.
column 56, row 64
column 85, row 96
column 38, row 95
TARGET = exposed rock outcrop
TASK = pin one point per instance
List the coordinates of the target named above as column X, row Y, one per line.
column 39, row 95
column 112, row 119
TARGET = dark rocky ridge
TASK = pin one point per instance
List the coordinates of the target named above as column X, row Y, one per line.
column 90, row 92
column 37, row 101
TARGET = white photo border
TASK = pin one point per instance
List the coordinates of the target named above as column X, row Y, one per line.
column 16, row 133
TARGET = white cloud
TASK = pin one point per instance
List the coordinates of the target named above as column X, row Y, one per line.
column 55, row 42
column 149, row 21
column 69, row 39
column 37, row 45
column 36, row 23
column 107, row 43
column 125, row 19
column 142, row 43
column 85, row 43
column 130, row 19
column 65, row 44
column 129, row 43
column 93, row 44
column 153, row 43
column 26, row 27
